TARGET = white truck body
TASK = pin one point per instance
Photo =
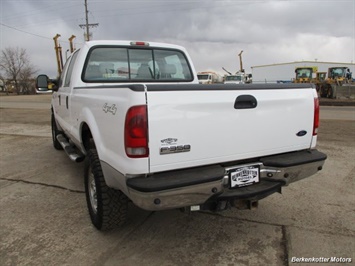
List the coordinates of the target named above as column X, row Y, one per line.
column 191, row 142
column 238, row 78
column 209, row 78
column 205, row 78
column 234, row 79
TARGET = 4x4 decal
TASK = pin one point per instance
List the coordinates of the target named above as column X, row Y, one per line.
column 112, row 109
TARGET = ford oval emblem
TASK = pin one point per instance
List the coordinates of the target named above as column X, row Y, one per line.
column 301, row 133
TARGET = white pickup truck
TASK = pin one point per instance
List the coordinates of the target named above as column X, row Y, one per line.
column 152, row 135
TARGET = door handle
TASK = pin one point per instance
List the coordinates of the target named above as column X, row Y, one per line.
column 67, row 101
column 60, row 102
column 245, row 102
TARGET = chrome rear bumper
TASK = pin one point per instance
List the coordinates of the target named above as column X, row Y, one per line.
column 196, row 186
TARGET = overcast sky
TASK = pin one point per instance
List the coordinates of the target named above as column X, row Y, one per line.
column 213, row 31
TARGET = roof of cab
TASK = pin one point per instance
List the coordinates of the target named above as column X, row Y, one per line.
column 132, row 43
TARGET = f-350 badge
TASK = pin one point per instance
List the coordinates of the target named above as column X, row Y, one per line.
column 170, row 145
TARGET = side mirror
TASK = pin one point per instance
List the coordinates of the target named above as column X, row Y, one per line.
column 42, row 81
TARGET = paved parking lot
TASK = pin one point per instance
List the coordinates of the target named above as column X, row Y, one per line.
column 44, row 220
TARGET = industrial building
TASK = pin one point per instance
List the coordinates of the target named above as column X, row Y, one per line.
column 285, row 72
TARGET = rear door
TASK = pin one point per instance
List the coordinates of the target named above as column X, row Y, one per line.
column 192, row 125
column 63, row 95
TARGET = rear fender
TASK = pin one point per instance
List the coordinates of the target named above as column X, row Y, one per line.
column 89, row 120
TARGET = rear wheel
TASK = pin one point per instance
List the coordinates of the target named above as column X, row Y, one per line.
column 107, row 206
column 55, row 133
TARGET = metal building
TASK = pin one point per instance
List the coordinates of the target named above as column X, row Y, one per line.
column 285, row 72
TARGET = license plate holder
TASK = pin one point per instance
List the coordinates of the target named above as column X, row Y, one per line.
column 244, row 176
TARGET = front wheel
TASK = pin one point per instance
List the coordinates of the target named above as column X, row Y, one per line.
column 107, row 206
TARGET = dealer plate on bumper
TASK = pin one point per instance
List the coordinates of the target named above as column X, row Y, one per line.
column 244, row 176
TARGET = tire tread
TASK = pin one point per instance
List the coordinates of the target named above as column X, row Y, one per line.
column 112, row 203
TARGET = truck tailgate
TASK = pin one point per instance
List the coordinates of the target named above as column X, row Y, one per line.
column 206, row 124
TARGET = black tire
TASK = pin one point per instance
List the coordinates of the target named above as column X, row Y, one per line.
column 330, row 92
column 55, row 133
column 107, row 206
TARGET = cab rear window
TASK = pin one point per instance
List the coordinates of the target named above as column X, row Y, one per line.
column 124, row 64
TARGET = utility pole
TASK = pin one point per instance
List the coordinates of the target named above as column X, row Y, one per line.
column 87, row 25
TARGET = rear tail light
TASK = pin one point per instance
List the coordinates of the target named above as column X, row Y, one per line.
column 136, row 132
column 316, row 116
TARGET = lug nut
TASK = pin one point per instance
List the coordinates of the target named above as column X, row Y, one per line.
column 157, row 201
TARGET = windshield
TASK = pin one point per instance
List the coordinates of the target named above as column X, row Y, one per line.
column 202, row 77
column 237, row 78
column 122, row 64
column 303, row 73
column 337, row 72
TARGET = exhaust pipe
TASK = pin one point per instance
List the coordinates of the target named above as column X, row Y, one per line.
column 245, row 204
column 253, row 204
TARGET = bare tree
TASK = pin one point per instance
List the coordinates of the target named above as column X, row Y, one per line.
column 27, row 82
column 3, row 83
column 17, row 67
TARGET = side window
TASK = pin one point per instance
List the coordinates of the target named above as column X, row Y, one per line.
column 70, row 70
column 61, row 78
